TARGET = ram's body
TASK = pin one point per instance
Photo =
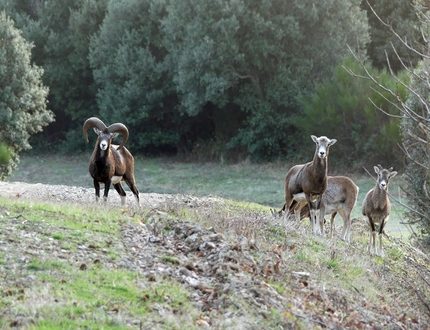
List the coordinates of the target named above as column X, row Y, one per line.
column 110, row 163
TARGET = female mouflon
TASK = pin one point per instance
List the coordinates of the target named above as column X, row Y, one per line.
column 376, row 207
column 310, row 179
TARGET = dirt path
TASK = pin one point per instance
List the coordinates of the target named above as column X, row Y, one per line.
column 81, row 195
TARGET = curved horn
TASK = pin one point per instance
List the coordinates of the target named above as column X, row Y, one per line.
column 122, row 129
column 92, row 122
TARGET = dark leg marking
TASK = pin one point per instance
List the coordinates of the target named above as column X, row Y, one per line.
column 119, row 189
column 97, row 187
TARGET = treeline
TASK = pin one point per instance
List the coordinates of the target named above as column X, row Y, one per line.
column 220, row 78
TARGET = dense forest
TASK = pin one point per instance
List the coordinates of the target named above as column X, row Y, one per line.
column 222, row 79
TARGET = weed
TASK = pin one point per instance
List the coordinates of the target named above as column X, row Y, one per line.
column 57, row 236
column 333, row 264
column 395, row 253
column 44, row 265
column 170, row 259
column 279, row 287
column 302, row 256
column 315, row 245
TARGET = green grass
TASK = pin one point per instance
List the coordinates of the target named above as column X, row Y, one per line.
column 105, row 298
column 251, row 184
column 71, row 217
column 64, row 295
column 43, row 265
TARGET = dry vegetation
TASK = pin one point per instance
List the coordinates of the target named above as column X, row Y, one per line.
column 186, row 262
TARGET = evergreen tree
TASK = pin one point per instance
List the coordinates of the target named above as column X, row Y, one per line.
column 258, row 56
column 132, row 72
column 23, row 109
column 402, row 18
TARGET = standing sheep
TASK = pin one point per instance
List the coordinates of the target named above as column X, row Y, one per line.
column 376, row 207
column 310, row 179
column 109, row 163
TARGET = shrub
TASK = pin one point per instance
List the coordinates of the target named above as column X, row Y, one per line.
column 340, row 108
column 23, row 110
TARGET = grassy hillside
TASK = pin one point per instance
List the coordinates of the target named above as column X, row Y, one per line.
column 258, row 183
column 194, row 263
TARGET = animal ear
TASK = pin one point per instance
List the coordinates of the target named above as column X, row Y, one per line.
column 392, row 174
column 314, row 138
column 97, row 131
column 332, row 141
column 114, row 135
column 376, row 168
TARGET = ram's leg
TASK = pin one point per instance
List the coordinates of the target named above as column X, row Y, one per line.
column 131, row 183
column 97, row 188
column 107, row 187
column 121, row 192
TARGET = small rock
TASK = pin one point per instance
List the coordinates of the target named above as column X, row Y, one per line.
column 202, row 323
column 215, row 237
column 301, row 274
column 207, row 246
column 192, row 281
column 31, row 277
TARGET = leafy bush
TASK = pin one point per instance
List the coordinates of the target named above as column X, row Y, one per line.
column 340, row 108
column 4, row 154
column 23, row 110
